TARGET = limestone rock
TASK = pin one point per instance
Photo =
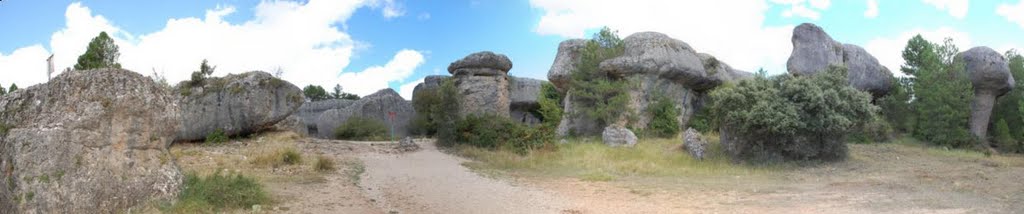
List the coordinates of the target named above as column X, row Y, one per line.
column 293, row 123
column 483, row 95
column 616, row 136
column 89, row 141
column 523, row 98
column 814, row 51
column 407, row 145
column 991, row 78
column 652, row 53
column 565, row 63
column 483, row 63
column 694, row 143
column 310, row 112
column 375, row 106
column 236, row 104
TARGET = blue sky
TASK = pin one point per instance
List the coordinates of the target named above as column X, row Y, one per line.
column 366, row 45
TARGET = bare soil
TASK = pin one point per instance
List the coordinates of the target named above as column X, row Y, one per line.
column 374, row 178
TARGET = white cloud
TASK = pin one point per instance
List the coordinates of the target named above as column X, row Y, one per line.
column 956, row 8
column 377, row 77
column 872, row 10
column 810, row 9
column 406, row 89
column 737, row 37
column 1013, row 13
column 889, row 51
column 300, row 38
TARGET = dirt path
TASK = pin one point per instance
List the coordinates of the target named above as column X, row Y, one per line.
column 429, row 181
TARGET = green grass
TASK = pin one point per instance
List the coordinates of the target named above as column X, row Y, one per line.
column 218, row 192
column 279, row 156
column 216, row 137
column 593, row 161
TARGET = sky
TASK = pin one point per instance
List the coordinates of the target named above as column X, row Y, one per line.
column 368, row 45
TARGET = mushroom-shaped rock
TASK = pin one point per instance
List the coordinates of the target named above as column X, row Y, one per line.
column 484, row 63
column 720, row 72
column 655, row 53
column 565, row 63
column 235, row 104
column 814, row 50
column 377, row 106
column 991, row 78
column 88, row 141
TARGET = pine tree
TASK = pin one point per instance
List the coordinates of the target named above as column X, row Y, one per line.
column 942, row 92
column 101, row 53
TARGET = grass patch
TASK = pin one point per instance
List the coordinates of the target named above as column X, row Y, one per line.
column 324, row 164
column 593, row 161
column 277, row 156
column 216, row 192
column 216, row 136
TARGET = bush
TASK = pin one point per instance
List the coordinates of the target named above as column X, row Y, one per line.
column 361, row 128
column 217, row 136
column 426, row 103
column 495, row 132
column 664, row 116
column 550, row 111
column 315, row 93
column 446, row 114
column 599, row 95
column 216, row 191
column 791, row 118
column 278, row 157
column 324, row 164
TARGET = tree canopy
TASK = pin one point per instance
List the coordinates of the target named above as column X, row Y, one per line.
column 101, row 53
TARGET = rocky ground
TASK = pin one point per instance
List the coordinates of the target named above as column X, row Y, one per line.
column 373, row 177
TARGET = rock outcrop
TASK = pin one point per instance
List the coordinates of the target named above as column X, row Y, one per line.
column 694, row 143
column 991, row 78
column 236, row 104
column 310, row 112
column 814, row 51
column 523, row 96
column 481, row 80
column 91, row 141
column 616, row 136
column 375, row 106
column 656, row 66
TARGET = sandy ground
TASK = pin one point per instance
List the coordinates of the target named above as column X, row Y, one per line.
column 374, row 178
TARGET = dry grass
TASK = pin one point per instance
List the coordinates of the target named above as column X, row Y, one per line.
column 324, row 164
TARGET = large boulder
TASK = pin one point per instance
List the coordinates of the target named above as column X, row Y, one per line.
column 991, row 78
column 656, row 54
column 310, row 112
column 482, row 82
column 618, row 136
column 236, row 104
column 484, row 63
column 565, row 63
column 814, row 51
column 375, row 106
column 92, row 141
column 523, row 98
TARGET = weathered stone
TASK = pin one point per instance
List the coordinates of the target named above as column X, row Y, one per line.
column 652, row 53
column 484, row 63
column 375, row 106
column 407, row 145
column 483, row 95
column 293, row 123
column 694, row 143
column 430, row 83
column 616, row 136
column 565, row 63
column 523, row 98
column 236, row 104
column 92, row 141
column 310, row 112
column 991, row 78
column 814, row 51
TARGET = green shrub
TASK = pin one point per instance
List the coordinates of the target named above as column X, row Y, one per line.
column 446, row 115
column 361, row 128
column 791, row 118
column 324, row 164
column 664, row 116
column 217, row 136
column 426, row 103
column 1010, row 107
column 1004, row 139
column 218, row 191
column 942, row 93
column 874, row 131
column 315, row 93
column 550, row 111
column 599, row 95
column 495, row 132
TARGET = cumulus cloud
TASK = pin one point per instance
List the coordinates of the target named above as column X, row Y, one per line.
column 803, row 8
column 872, row 10
column 406, row 89
column 1012, row 13
column 377, row 77
column 299, row 38
column 956, row 8
column 737, row 37
column 889, row 50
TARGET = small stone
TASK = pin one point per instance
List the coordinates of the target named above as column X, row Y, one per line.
column 694, row 143
column 616, row 136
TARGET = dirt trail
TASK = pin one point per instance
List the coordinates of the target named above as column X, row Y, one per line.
column 429, row 181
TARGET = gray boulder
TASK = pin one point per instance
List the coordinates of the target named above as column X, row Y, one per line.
column 565, row 62
column 814, row 51
column 92, row 141
column 523, row 99
column 375, row 106
column 484, row 63
column 991, row 78
column 694, row 143
column 407, row 145
column 310, row 112
column 236, row 104
column 653, row 53
column 616, row 136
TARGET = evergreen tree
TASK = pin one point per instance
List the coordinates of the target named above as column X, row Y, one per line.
column 101, row 53
column 315, row 93
column 941, row 91
column 1009, row 106
column 337, row 91
column 601, row 96
column 14, row 87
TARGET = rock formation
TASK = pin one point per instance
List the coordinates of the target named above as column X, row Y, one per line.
column 375, row 106
column 991, row 78
column 89, row 141
column 235, row 104
column 694, row 143
column 616, row 136
column 481, row 80
column 310, row 112
column 814, row 50
column 657, row 66
column 523, row 95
